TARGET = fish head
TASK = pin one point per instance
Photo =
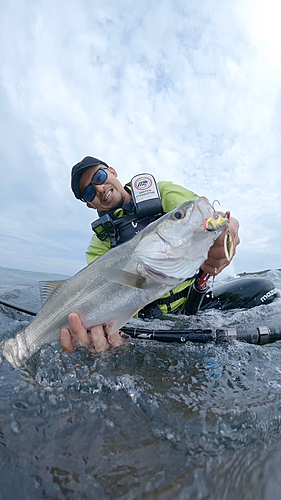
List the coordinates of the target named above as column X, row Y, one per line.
column 174, row 247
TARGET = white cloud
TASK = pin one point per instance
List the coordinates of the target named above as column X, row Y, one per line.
column 189, row 92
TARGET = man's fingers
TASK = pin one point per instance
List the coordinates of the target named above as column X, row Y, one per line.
column 99, row 340
column 75, row 336
column 98, row 337
column 66, row 340
column 114, row 339
column 214, row 270
column 79, row 333
column 217, row 259
column 102, row 338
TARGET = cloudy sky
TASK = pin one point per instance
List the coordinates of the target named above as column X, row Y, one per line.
column 189, row 90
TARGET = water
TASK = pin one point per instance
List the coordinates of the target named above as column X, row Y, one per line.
column 147, row 421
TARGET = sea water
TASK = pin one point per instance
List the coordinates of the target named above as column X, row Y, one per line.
column 146, row 421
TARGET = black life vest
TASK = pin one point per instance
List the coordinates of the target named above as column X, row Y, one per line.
column 125, row 222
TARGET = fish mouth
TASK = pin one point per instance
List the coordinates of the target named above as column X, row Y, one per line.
column 165, row 241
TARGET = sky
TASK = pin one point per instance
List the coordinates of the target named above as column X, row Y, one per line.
column 189, row 91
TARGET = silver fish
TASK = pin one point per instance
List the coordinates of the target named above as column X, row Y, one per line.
column 116, row 286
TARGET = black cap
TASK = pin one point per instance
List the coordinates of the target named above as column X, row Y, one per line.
column 79, row 169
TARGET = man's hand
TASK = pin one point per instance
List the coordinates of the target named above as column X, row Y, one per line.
column 217, row 260
column 97, row 339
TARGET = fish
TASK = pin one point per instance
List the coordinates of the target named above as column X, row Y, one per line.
column 122, row 281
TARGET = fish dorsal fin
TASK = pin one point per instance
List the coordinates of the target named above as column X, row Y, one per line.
column 47, row 288
column 123, row 277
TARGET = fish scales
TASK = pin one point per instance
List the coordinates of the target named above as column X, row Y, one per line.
column 125, row 279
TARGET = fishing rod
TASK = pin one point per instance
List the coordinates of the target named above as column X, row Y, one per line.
column 253, row 335
column 18, row 308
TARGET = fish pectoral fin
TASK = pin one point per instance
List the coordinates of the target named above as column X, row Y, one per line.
column 47, row 288
column 123, row 277
column 121, row 321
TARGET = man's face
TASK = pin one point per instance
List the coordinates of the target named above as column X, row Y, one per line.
column 109, row 195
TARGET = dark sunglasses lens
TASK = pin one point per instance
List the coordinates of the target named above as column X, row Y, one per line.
column 99, row 177
column 89, row 194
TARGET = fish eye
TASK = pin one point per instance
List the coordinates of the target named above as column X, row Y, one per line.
column 178, row 214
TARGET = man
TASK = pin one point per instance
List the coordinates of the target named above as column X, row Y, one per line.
column 97, row 184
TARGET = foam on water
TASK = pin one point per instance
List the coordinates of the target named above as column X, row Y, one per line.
column 148, row 420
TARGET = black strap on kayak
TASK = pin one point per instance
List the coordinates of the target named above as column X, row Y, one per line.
column 253, row 335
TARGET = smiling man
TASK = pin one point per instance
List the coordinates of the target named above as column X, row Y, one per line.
column 95, row 183
column 98, row 185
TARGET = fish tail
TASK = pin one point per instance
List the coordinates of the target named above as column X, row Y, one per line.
column 15, row 350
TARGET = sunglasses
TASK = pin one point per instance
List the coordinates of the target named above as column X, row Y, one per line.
column 98, row 178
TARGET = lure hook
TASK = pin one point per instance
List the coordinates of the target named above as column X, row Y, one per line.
column 213, row 204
